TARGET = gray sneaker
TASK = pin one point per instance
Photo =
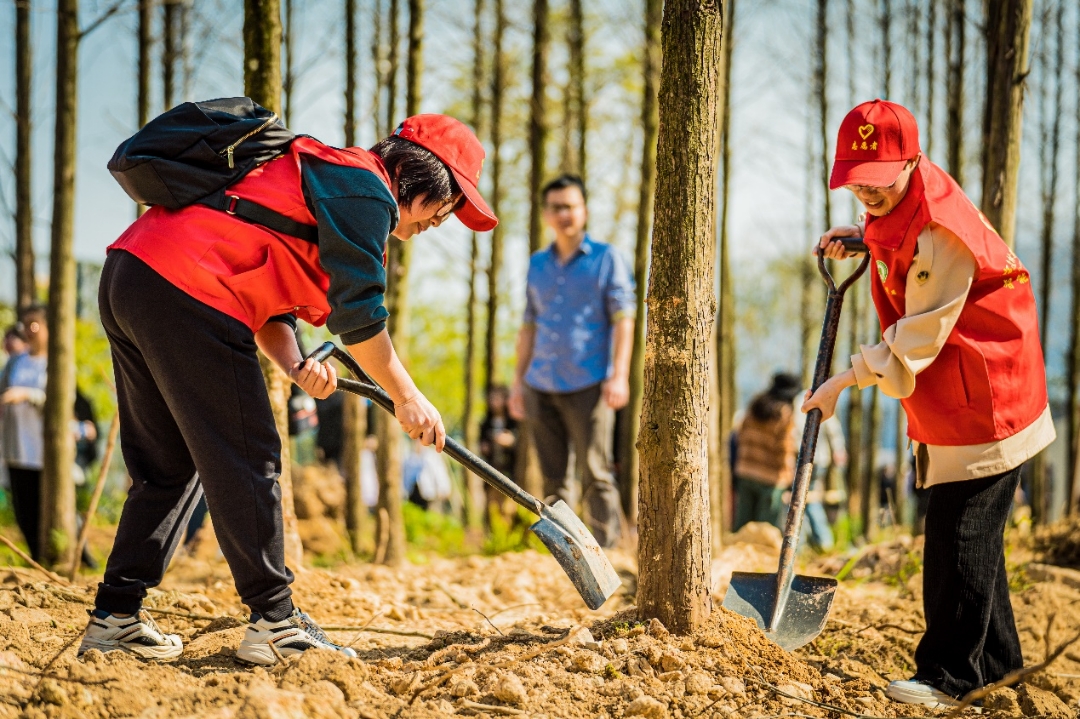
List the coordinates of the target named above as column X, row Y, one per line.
column 293, row 635
column 137, row 634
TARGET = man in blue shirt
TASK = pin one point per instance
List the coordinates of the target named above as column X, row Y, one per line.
column 573, row 356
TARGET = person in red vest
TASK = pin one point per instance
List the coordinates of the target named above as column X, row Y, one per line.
column 960, row 349
column 186, row 298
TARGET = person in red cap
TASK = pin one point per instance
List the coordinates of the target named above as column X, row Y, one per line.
column 186, row 298
column 960, row 349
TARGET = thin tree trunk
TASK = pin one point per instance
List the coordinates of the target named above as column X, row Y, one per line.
column 57, row 520
column 475, row 486
column 414, row 70
column 914, row 45
column 931, row 58
column 377, row 67
column 146, row 47
column 498, row 87
column 720, row 479
column 886, row 47
column 262, row 83
column 392, row 67
column 577, row 85
column 955, row 50
column 674, row 581
column 855, row 413
column 654, row 10
column 183, row 29
column 538, row 129
column 1072, row 368
column 24, row 214
column 289, row 78
column 354, row 416
column 820, row 89
column 870, row 496
column 900, row 493
column 1008, row 25
column 168, row 53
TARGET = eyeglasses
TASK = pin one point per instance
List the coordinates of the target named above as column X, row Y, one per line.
column 557, row 209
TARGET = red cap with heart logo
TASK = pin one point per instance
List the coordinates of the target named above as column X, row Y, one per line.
column 455, row 144
column 875, row 141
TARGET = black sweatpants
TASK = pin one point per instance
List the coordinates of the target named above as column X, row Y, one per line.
column 194, row 416
column 26, row 501
column 971, row 637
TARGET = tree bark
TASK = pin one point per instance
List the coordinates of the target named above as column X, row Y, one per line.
column 855, row 414
column 377, row 67
column 654, row 11
column 955, row 40
column 886, row 47
column 1008, row 24
column 25, row 290
column 262, row 83
column 350, row 73
column 870, row 495
column 475, row 509
column 1072, row 368
column 577, row 120
column 538, row 129
column 392, row 67
column 900, row 494
column 498, row 89
column 673, row 513
column 57, row 521
column 720, row 478
column 288, row 81
column 414, row 70
column 931, row 76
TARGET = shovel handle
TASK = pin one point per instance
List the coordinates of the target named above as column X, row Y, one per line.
column 363, row 385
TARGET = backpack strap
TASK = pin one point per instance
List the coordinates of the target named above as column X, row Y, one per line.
column 258, row 214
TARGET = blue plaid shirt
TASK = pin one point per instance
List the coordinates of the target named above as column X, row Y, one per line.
column 573, row 307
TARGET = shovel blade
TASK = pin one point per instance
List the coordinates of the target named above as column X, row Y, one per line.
column 578, row 553
column 801, row 618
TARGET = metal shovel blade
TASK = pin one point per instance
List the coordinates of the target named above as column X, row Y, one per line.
column 578, row 553
column 796, row 619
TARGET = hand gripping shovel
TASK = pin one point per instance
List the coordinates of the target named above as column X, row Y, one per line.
column 792, row 608
column 565, row 536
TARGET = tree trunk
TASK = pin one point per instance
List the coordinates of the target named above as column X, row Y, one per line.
column 720, row 478
column 414, row 70
column 1008, row 23
column 57, row 520
column 538, row 120
column 377, row 67
column 871, row 487
column 350, row 73
column 477, row 504
column 183, row 29
column 577, row 121
column 855, row 414
column 900, row 494
column 673, row 513
column 654, row 10
column 24, row 214
column 392, row 67
column 168, row 53
column 1072, row 369
column 289, row 77
column 954, row 92
column 498, row 88
column 886, row 47
column 820, row 90
column 262, row 83
column 914, row 45
column 931, row 57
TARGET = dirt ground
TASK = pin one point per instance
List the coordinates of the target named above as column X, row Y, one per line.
column 508, row 636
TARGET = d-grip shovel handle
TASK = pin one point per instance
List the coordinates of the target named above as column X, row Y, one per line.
column 365, row 387
column 804, row 467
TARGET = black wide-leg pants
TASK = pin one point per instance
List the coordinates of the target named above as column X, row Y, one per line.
column 194, row 417
column 971, row 638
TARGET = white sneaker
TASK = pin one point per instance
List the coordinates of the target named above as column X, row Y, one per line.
column 138, row 634
column 919, row 691
column 293, row 635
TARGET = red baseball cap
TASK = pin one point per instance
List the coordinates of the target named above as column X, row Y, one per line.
column 455, row 144
column 875, row 141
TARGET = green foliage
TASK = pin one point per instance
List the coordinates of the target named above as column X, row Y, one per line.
column 93, row 370
column 512, row 536
column 427, row 531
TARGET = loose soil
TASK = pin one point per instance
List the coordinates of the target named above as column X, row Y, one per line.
column 508, row 636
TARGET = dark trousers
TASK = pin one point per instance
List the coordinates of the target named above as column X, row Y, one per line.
column 26, row 501
column 194, row 417
column 584, row 420
column 971, row 637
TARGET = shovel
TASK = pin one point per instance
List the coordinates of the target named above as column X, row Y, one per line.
column 565, row 536
column 792, row 608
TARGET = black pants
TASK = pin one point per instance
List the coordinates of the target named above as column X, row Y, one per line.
column 971, row 637
column 194, row 416
column 26, row 501
column 584, row 420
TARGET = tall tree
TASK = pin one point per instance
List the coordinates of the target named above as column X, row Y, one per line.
column 654, row 11
column 931, row 75
column 886, row 47
column 855, row 312
column 577, row 117
column 474, row 485
column 169, row 27
column 377, row 67
column 495, row 261
column 1008, row 25
column 955, row 49
column 720, row 479
column 262, row 83
column 538, row 129
column 354, row 416
column 24, row 213
column 392, row 66
column 57, row 524
column 288, row 40
column 1072, row 368
column 673, row 513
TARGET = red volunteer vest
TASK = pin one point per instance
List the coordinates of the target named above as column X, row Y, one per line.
column 247, row 271
column 989, row 381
